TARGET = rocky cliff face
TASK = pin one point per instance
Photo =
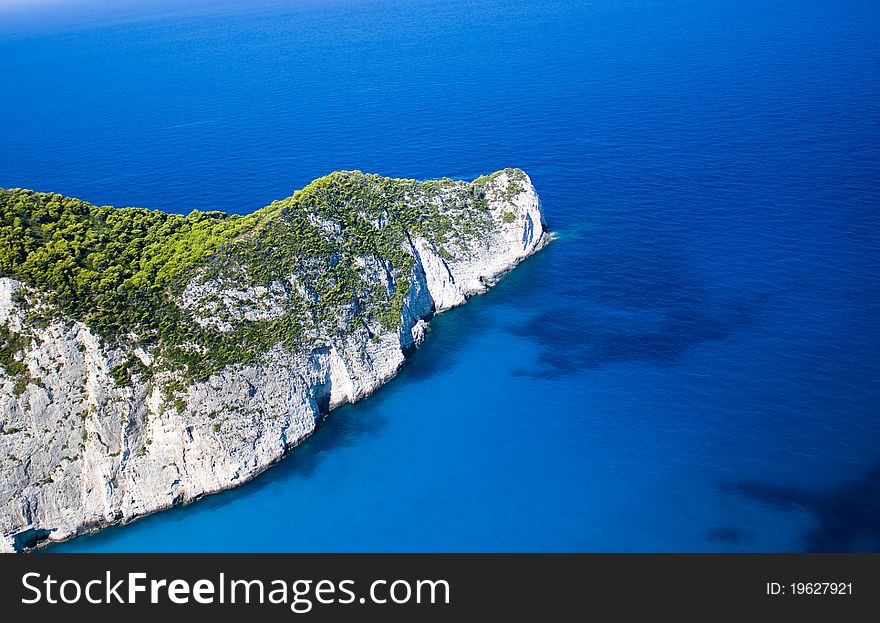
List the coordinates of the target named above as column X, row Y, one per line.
column 81, row 450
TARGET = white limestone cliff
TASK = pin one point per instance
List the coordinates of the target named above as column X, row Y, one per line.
column 79, row 453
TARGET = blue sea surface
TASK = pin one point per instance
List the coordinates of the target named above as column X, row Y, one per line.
column 691, row 366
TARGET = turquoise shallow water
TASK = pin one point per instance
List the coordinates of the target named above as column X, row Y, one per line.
column 690, row 366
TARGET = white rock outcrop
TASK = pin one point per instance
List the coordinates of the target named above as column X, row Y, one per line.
column 79, row 453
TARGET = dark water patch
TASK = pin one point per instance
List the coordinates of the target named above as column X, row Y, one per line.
column 584, row 342
column 642, row 303
column 847, row 516
column 729, row 536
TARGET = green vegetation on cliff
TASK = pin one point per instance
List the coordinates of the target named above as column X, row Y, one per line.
column 123, row 271
column 112, row 268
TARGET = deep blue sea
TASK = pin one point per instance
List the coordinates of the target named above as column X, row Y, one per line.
column 691, row 366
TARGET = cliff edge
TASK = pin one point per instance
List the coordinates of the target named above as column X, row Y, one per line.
column 148, row 359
